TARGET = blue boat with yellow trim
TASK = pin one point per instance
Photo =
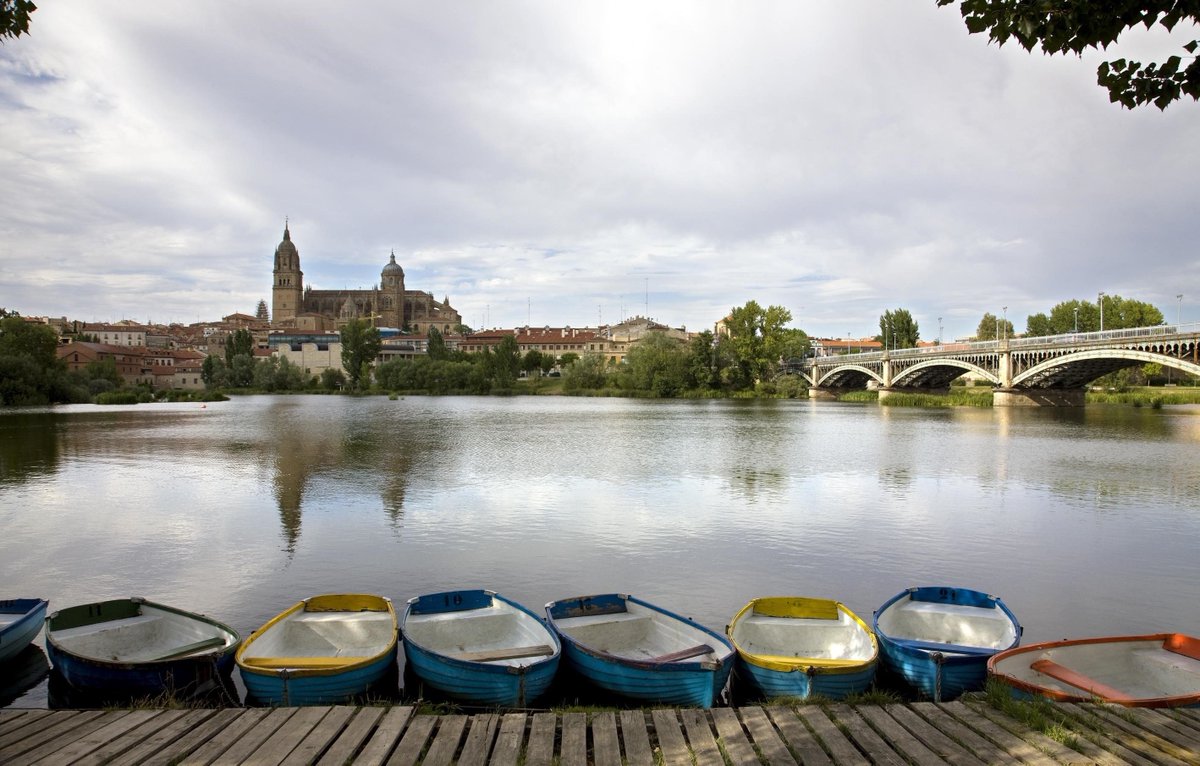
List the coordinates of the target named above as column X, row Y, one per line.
column 479, row 647
column 939, row 639
column 631, row 647
column 323, row 650
column 20, row 621
column 790, row 646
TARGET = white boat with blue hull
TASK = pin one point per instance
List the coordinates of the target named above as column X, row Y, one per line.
column 636, row 649
column 939, row 639
column 20, row 621
column 479, row 647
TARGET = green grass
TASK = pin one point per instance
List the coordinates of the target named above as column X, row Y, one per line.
column 1039, row 713
column 1146, row 396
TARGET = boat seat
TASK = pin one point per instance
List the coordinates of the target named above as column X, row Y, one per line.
column 104, row 627
column 1079, row 681
column 507, row 653
column 192, row 648
column 300, row 663
column 684, row 654
column 1186, row 646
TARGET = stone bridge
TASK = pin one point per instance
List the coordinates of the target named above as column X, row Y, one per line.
column 1049, row 370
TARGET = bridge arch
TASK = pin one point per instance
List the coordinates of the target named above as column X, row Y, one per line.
column 937, row 373
column 848, row 376
column 1078, row 369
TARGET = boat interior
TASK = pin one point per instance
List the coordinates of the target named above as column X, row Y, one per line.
column 324, row 634
column 640, row 634
column 1132, row 669
column 499, row 634
column 948, row 624
column 837, row 639
column 150, row 636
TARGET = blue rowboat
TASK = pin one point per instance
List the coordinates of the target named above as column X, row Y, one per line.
column 20, row 621
column 133, row 647
column 1158, row 670
column 803, row 647
column 322, row 650
column 939, row 639
column 634, row 648
column 477, row 646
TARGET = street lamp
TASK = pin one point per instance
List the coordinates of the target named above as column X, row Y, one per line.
column 1179, row 312
column 939, row 331
column 1100, row 300
column 1005, row 324
column 1076, row 320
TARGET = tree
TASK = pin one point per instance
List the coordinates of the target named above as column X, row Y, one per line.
column 897, row 329
column 437, row 349
column 240, row 343
column 332, row 378
column 361, row 344
column 1084, row 316
column 758, row 337
column 586, row 373
column 988, row 327
column 657, row 363
column 506, row 362
column 568, row 359
column 1061, row 26
column 14, row 17
column 532, row 360
column 261, row 313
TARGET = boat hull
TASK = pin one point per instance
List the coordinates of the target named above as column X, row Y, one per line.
column 323, row 650
column 690, row 683
column 928, row 646
column 24, row 618
column 512, row 682
column 187, row 676
column 1157, row 670
column 803, row 647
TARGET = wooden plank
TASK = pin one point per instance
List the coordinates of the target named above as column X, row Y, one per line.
column 671, row 744
column 35, row 724
column 510, row 653
column 219, row 743
column 636, row 736
column 257, row 734
column 700, row 737
column 379, row 746
column 321, row 736
column 412, row 744
column 1165, row 727
column 900, row 738
column 683, row 654
column 192, row 648
column 606, row 747
column 1079, row 680
column 839, row 747
column 764, row 736
column 959, row 732
column 1055, row 749
column 11, row 720
column 445, row 743
column 1190, row 724
column 66, row 737
column 478, row 745
column 1016, row 747
column 799, row 739
column 16, row 744
column 119, row 744
column 280, row 744
column 353, row 736
column 185, row 730
column 1142, row 740
column 1098, row 735
column 539, row 751
column 507, row 749
column 941, row 745
column 572, row 751
column 112, row 729
column 733, row 737
column 864, row 736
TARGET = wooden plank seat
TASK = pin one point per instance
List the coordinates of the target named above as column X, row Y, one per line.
column 684, row 654
column 208, row 643
column 506, row 653
column 1079, row 680
column 301, row 663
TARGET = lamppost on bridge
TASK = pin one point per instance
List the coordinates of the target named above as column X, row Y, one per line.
column 1179, row 312
column 939, row 331
column 1100, row 300
column 1076, row 320
column 1005, row 323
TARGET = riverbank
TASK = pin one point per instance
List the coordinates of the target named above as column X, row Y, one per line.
column 979, row 396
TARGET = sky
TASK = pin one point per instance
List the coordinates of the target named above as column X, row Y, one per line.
column 579, row 163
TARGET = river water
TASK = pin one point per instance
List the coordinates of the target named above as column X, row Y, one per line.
column 1086, row 521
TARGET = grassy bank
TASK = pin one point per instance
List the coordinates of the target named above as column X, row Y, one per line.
column 981, row 396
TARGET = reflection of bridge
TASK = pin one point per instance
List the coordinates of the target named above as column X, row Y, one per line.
column 1050, row 370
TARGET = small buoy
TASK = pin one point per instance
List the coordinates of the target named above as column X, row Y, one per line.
column 204, row 406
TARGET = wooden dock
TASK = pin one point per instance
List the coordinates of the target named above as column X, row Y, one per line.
column 960, row 733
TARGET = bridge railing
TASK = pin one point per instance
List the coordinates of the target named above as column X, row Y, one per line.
column 987, row 346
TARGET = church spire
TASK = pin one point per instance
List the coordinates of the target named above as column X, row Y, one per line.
column 287, row 235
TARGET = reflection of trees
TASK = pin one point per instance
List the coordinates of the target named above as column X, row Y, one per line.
column 29, row 446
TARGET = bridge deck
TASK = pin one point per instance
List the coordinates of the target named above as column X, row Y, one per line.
column 968, row 732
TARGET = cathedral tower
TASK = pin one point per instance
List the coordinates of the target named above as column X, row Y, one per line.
column 287, row 294
column 391, row 288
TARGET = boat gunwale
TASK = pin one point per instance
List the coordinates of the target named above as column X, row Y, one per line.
column 782, row 663
column 927, row 648
column 290, row 672
column 1178, row 700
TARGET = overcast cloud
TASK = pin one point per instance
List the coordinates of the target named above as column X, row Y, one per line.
column 567, row 163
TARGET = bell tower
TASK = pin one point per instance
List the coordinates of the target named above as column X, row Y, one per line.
column 287, row 293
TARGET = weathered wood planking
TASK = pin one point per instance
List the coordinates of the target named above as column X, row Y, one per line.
column 919, row 734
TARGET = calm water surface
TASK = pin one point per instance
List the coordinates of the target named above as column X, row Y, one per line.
column 1086, row 521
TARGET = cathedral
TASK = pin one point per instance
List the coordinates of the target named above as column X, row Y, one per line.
column 304, row 309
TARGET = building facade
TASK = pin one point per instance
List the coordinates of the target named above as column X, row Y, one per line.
column 388, row 304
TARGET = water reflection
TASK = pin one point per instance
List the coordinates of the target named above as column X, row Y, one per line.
column 21, row 673
column 29, row 446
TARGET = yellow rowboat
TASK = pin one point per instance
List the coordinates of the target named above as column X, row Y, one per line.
column 324, row 649
column 790, row 646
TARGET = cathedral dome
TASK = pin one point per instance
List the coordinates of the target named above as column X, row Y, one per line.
column 285, row 253
column 392, row 268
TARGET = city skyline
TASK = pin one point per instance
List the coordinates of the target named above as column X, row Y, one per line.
column 574, row 165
